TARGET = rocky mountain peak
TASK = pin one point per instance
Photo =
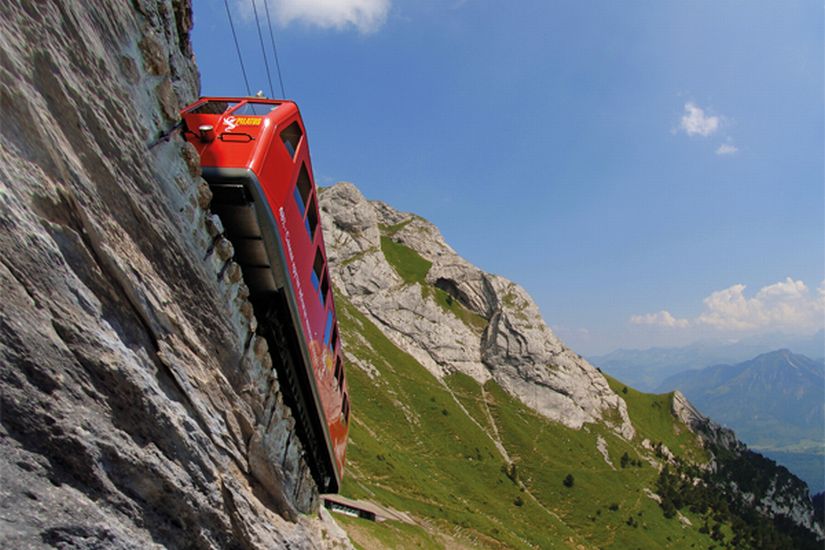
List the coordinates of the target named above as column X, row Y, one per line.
column 453, row 317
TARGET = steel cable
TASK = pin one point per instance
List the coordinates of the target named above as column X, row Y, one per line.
column 237, row 47
column 263, row 49
column 274, row 49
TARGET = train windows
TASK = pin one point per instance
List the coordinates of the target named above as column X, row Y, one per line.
column 345, row 409
column 255, row 109
column 328, row 328
column 339, row 374
column 317, row 270
column 213, row 108
column 303, row 187
column 291, row 136
column 324, row 288
column 334, row 341
column 303, row 195
column 312, row 218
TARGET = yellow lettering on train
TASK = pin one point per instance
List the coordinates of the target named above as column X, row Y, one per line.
column 247, row 121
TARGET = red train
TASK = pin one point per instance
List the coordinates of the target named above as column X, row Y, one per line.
column 255, row 157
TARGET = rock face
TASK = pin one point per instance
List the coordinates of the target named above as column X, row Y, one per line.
column 711, row 433
column 510, row 344
column 779, row 494
column 137, row 407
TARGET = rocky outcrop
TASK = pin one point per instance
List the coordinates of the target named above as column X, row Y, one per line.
column 758, row 481
column 511, row 344
column 137, row 407
column 710, row 433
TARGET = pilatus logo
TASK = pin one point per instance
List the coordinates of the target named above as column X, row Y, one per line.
column 230, row 122
column 233, row 122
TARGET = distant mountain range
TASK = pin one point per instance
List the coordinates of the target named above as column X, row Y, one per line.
column 775, row 403
column 648, row 369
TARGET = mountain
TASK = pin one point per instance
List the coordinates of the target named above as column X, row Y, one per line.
column 470, row 416
column 775, row 402
column 647, row 369
column 454, row 318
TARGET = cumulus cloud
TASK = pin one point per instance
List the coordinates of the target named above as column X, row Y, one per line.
column 787, row 305
column 726, row 149
column 663, row 319
column 364, row 15
column 696, row 123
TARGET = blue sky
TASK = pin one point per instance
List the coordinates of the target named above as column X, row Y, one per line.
column 651, row 171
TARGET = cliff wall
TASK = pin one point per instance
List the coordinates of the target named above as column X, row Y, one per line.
column 137, row 408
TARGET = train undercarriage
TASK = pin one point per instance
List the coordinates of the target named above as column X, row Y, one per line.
column 249, row 225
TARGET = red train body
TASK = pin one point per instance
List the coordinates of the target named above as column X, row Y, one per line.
column 255, row 157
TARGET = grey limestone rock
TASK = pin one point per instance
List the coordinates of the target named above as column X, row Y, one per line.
column 709, row 431
column 515, row 347
column 137, row 407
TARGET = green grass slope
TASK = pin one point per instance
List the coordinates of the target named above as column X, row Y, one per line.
column 434, row 450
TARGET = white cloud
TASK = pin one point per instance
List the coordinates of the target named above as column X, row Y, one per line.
column 786, row 305
column 662, row 319
column 726, row 149
column 696, row 123
column 783, row 306
column 364, row 15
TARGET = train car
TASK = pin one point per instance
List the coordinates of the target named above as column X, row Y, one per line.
column 255, row 157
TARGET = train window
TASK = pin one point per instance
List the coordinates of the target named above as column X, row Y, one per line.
column 255, row 109
column 317, row 270
column 312, row 218
column 339, row 379
column 324, row 288
column 303, row 187
column 334, row 341
column 213, row 107
column 328, row 328
column 345, row 409
column 291, row 136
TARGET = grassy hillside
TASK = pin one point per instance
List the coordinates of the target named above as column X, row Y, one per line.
column 434, row 449
column 476, row 468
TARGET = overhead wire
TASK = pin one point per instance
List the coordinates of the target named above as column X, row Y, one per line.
column 237, row 47
column 274, row 49
column 263, row 49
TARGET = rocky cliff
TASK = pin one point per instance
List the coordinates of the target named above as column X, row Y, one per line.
column 490, row 327
column 748, row 476
column 137, row 407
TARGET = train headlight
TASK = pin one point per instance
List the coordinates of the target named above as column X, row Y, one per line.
column 206, row 133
